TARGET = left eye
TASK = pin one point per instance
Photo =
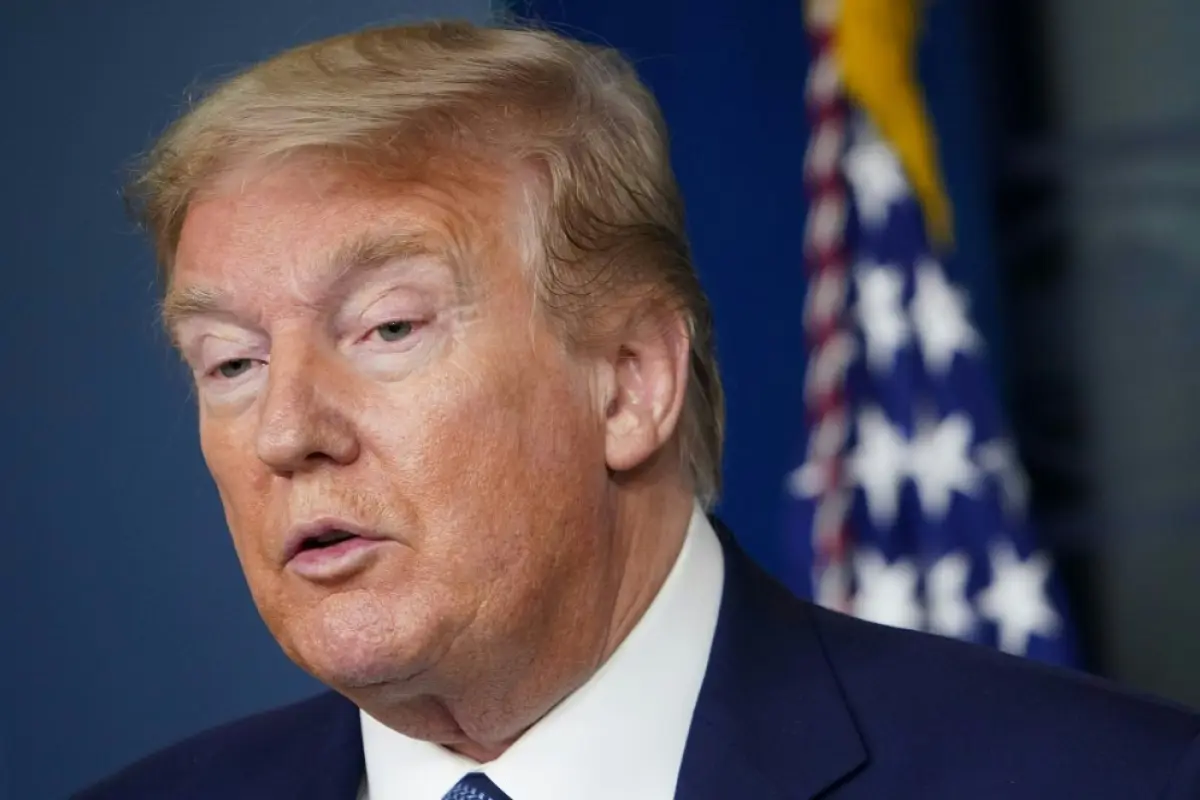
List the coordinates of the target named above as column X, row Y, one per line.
column 394, row 331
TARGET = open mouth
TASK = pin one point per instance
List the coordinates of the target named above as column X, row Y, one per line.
column 326, row 540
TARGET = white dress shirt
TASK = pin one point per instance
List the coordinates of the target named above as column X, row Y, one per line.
column 620, row 735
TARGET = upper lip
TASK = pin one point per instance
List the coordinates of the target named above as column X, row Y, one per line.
column 302, row 532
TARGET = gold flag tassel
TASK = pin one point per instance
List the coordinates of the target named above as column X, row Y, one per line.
column 875, row 43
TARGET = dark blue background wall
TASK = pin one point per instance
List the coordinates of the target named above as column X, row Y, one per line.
column 126, row 623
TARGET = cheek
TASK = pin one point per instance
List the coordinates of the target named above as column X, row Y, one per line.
column 241, row 481
column 492, row 463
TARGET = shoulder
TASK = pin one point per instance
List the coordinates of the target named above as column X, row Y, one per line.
column 930, row 697
column 231, row 755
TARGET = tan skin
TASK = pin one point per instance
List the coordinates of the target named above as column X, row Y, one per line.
column 374, row 353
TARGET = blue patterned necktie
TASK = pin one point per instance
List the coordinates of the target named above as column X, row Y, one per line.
column 475, row 786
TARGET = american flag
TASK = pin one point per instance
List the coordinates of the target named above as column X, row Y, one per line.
column 908, row 505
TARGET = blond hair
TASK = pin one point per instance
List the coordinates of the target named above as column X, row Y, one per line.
column 608, row 213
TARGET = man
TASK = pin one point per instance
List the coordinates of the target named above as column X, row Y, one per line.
column 458, row 394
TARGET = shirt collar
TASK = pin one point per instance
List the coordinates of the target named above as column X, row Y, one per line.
column 622, row 734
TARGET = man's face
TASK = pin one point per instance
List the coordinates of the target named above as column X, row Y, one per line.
column 369, row 361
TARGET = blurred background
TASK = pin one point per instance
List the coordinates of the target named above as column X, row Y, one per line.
column 1069, row 141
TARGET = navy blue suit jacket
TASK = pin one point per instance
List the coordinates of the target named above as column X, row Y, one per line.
column 798, row 703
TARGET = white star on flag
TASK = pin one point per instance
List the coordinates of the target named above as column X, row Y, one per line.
column 950, row 613
column 887, row 593
column 939, row 313
column 879, row 464
column 880, row 313
column 897, row 392
column 1016, row 599
column 940, row 463
column 877, row 179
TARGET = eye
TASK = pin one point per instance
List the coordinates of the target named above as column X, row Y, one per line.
column 394, row 331
column 233, row 367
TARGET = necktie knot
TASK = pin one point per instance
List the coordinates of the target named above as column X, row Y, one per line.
column 476, row 786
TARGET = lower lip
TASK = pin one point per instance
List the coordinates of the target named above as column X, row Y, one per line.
column 336, row 562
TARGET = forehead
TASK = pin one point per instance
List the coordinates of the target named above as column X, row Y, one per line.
column 314, row 215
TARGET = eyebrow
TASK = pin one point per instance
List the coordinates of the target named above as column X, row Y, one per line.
column 353, row 255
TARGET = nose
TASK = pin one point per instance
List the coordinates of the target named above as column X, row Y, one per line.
column 304, row 421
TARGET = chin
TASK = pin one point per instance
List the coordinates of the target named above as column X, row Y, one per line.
column 353, row 640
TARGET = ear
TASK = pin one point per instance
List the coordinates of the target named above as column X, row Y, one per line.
column 649, row 372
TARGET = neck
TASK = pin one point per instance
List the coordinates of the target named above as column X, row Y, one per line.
column 485, row 714
column 653, row 535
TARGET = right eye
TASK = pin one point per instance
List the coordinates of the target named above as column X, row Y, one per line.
column 232, row 368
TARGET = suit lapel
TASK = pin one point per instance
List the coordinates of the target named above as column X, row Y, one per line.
column 771, row 721
column 319, row 757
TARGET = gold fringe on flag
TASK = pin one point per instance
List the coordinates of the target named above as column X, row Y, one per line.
column 875, row 44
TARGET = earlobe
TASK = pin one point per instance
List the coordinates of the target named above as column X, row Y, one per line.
column 649, row 379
